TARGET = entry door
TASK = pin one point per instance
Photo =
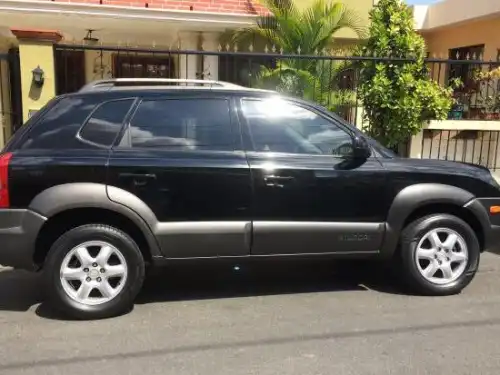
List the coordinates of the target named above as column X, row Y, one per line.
column 181, row 157
column 310, row 197
column 137, row 66
column 70, row 70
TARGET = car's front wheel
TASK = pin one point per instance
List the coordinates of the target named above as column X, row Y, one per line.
column 439, row 254
column 94, row 271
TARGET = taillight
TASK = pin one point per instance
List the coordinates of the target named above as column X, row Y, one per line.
column 4, row 180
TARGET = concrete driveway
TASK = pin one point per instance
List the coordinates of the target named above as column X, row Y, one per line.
column 281, row 320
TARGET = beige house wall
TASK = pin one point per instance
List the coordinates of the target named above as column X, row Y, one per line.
column 481, row 32
column 444, row 13
column 487, row 32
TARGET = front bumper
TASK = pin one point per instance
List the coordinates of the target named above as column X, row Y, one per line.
column 490, row 223
column 18, row 232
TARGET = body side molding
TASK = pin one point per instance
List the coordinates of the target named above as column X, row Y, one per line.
column 295, row 237
column 193, row 239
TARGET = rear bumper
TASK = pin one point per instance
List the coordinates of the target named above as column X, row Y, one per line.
column 489, row 222
column 18, row 232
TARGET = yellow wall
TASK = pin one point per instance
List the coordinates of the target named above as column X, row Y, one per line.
column 486, row 32
column 361, row 7
column 32, row 54
column 93, row 64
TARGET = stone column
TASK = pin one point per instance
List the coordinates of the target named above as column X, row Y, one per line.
column 36, row 49
column 210, row 42
column 188, row 64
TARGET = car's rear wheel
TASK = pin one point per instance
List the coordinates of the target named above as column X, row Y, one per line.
column 439, row 254
column 94, row 271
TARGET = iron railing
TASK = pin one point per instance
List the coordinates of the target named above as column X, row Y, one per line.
column 332, row 81
column 480, row 147
column 10, row 93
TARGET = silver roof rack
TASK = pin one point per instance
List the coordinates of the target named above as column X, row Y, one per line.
column 130, row 82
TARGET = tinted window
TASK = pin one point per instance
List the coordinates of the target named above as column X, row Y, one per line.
column 182, row 124
column 58, row 127
column 106, row 122
column 280, row 126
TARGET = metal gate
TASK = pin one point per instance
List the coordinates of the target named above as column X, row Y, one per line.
column 10, row 93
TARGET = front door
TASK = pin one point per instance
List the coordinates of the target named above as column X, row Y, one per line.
column 70, row 68
column 181, row 156
column 309, row 196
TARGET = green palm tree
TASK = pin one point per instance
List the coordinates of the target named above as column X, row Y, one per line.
column 303, row 31
column 307, row 32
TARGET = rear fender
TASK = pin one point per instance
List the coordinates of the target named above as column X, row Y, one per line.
column 65, row 197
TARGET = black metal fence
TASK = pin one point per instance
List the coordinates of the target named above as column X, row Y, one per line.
column 479, row 147
column 329, row 80
column 10, row 93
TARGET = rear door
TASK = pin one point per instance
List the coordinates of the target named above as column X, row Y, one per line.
column 182, row 156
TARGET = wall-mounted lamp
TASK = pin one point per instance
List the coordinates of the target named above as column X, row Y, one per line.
column 38, row 76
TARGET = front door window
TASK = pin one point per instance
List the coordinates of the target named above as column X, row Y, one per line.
column 280, row 126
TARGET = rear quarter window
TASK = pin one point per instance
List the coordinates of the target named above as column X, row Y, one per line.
column 105, row 122
column 61, row 127
column 57, row 129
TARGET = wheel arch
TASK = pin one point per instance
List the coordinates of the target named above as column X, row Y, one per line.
column 68, row 205
column 422, row 199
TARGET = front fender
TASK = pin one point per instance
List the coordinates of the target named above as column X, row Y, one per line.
column 65, row 197
column 413, row 197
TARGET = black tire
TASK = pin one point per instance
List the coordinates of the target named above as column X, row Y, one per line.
column 410, row 238
column 121, row 303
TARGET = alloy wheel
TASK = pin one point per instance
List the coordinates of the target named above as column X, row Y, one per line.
column 93, row 273
column 441, row 256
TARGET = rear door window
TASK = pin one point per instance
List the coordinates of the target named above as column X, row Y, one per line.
column 182, row 124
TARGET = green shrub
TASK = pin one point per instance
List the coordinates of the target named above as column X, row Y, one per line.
column 398, row 96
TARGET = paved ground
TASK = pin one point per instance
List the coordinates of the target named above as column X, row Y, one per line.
column 293, row 322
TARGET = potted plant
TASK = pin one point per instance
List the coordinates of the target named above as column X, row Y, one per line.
column 490, row 103
column 490, row 107
column 456, row 111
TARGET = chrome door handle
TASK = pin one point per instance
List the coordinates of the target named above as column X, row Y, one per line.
column 277, row 181
column 150, row 176
column 278, row 178
column 139, row 179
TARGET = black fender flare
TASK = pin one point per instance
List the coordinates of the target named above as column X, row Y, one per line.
column 69, row 196
column 413, row 197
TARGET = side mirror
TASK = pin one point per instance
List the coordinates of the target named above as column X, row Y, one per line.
column 361, row 147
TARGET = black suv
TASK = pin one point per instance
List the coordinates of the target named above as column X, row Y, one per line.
column 126, row 174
